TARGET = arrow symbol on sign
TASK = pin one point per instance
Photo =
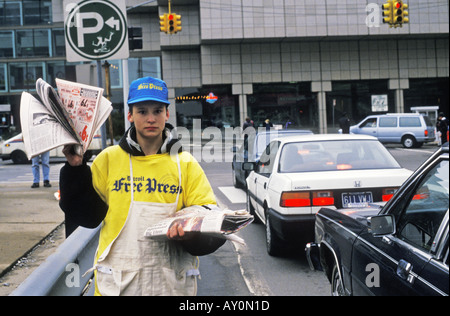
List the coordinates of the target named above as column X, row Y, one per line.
column 113, row 23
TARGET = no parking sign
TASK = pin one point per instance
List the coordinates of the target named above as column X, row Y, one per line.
column 95, row 30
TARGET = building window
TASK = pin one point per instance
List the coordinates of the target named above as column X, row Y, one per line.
column 355, row 99
column 10, row 13
column 286, row 105
column 32, row 43
column 115, row 74
column 37, row 12
column 23, row 76
column 58, row 43
column 144, row 67
column 212, row 105
column 55, row 70
column 25, row 12
column 6, row 44
column 3, row 78
column 427, row 92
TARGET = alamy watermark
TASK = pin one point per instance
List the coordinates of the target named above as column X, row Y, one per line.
column 373, row 18
column 373, row 277
column 73, row 277
column 213, row 144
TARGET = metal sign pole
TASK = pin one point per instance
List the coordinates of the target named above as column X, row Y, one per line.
column 100, row 84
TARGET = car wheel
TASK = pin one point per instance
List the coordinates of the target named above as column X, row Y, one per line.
column 19, row 157
column 337, row 286
column 409, row 142
column 273, row 242
column 236, row 182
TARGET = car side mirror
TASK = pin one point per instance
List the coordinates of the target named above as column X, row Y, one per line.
column 382, row 225
column 249, row 166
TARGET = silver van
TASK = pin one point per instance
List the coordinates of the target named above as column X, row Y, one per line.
column 410, row 130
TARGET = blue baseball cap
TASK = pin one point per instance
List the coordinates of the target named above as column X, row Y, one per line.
column 148, row 89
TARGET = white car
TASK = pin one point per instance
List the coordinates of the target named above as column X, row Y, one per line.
column 14, row 149
column 297, row 176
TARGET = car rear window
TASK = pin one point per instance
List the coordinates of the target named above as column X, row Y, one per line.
column 428, row 121
column 335, row 155
column 410, row 122
column 263, row 139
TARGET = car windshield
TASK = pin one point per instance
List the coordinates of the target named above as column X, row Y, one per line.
column 335, row 155
column 263, row 139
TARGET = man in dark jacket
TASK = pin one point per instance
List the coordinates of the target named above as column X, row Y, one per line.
column 442, row 128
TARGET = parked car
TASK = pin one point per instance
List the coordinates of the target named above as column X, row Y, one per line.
column 296, row 176
column 14, row 149
column 410, row 130
column 251, row 150
column 399, row 249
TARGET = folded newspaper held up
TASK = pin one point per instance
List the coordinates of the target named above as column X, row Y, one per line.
column 215, row 222
column 71, row 116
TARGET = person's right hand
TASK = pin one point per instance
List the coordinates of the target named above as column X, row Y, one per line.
column 72, row 158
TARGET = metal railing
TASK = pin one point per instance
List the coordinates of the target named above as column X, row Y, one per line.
column 62, row 273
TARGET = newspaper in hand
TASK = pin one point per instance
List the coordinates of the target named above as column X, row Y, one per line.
column 71, row 117
column 217, row 223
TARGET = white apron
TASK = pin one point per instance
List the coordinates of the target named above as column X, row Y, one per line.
column 135, row 265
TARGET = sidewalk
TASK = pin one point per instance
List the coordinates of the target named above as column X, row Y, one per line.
column 27, row 216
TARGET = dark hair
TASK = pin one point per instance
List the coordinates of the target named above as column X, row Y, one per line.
column 130, row 106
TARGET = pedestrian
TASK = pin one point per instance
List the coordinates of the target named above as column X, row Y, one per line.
column 131, row 186
column 267, row 124
column 45, row 160
column 248, row 123
column 442, row 128
column 344, row 123
column 247, row 128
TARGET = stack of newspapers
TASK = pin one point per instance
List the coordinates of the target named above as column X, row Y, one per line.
column 70, row 117
column 198, row 219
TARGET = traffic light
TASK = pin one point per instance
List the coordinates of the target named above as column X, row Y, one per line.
column 163, row 22
column 177, row 23
column 135, row 38
column 405, row 13
column 388, row 12
column 170, row 23
column 400, row 13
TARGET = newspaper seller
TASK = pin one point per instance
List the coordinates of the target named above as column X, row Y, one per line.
column 132, row 186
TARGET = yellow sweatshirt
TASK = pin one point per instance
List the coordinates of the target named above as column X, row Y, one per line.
column 155, row 180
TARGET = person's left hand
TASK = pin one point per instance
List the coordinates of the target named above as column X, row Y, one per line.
column 176, row 232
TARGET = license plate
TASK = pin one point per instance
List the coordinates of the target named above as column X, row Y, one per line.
column 356, row 199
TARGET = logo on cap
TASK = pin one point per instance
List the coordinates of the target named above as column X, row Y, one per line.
column 149, row 86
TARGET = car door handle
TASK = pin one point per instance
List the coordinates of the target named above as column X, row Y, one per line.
column 387, row 240
column 404, row 270
column 265, row 185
